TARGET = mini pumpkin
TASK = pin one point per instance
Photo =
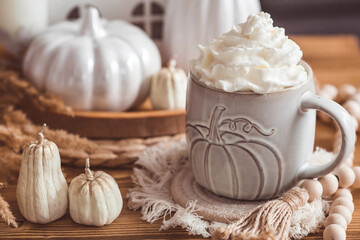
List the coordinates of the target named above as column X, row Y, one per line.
column 93, row 64
column 95, row 198
column 168, row 88
column 42, row 191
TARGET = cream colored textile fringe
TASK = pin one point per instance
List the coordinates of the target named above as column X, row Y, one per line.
column 152, row 179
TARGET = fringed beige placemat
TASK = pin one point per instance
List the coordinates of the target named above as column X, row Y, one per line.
column 165, row 189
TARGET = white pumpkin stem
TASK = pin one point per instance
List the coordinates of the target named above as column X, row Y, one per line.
column 91, row 24
column 88, row 173
column 214, row 135
column 172, row 63
column 40, row 136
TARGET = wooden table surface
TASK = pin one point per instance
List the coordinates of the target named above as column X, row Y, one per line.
column 334, row 59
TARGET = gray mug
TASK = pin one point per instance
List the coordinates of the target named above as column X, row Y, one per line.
column 252, row 146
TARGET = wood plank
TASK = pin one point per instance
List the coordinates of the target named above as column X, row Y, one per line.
column 327, row 46
column 338, row 77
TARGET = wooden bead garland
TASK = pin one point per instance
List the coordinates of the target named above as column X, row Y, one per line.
column 345, row 176
column 329, row 91
column 353, row 107
column 343, row 211
column 343, row 201
column 330, row 184
column 313, row 188
column 356, row 97
column 345, row 92
column 336, row 218
column 342, row 192
column 334, row 232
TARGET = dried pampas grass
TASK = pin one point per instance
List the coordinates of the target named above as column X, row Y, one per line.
column 5, row 212
column 14, row 90
column 10, row 164
column 16, row 131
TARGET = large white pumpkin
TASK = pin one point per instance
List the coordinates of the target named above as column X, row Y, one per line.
column 192, row 22
column 93, row 64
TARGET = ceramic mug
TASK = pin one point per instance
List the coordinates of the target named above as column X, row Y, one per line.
column 252, row 146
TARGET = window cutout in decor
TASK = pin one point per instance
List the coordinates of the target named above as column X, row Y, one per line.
column 156, row 29
column 74, row 13
column 138, row 10
column 148, row 15
column 156, row 9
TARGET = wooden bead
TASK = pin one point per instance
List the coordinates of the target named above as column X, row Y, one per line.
column 330, row 184
column 343, row 211
column 346, row 176
column 336, row 218
column 334, row 232
column 356, row 97
column 313, row 188
column 353, row 108
column 356, row 183
column 345, row 92
column 343, row 201
column 342, row 192
column 328, row 91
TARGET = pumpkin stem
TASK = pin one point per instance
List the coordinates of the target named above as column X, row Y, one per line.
column 40, row 136
column 91, row 24
column 88, row 172
column 172, row 63
column 214, row 135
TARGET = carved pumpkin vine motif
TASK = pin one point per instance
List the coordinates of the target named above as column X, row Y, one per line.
column 226, row 145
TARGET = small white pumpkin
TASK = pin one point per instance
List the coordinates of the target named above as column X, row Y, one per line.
column 168, row 88
column 94, row 197
column 93, row 64
column 42, row 189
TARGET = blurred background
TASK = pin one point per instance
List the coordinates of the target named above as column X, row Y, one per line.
column 315, row 17
column 296, row 16
column 174, row 29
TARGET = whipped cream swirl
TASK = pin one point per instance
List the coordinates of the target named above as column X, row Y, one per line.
column 253, row 56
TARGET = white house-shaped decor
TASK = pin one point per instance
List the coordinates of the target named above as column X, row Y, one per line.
column 146, row 14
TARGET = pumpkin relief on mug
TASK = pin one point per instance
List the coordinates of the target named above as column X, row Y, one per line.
column 233, row 146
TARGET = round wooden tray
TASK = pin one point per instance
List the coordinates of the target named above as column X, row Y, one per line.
column 142, row 122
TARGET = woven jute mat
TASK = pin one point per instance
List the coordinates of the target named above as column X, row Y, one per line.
column 211, row 207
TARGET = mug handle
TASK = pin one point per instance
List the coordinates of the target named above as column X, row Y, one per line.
column 347, row 129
